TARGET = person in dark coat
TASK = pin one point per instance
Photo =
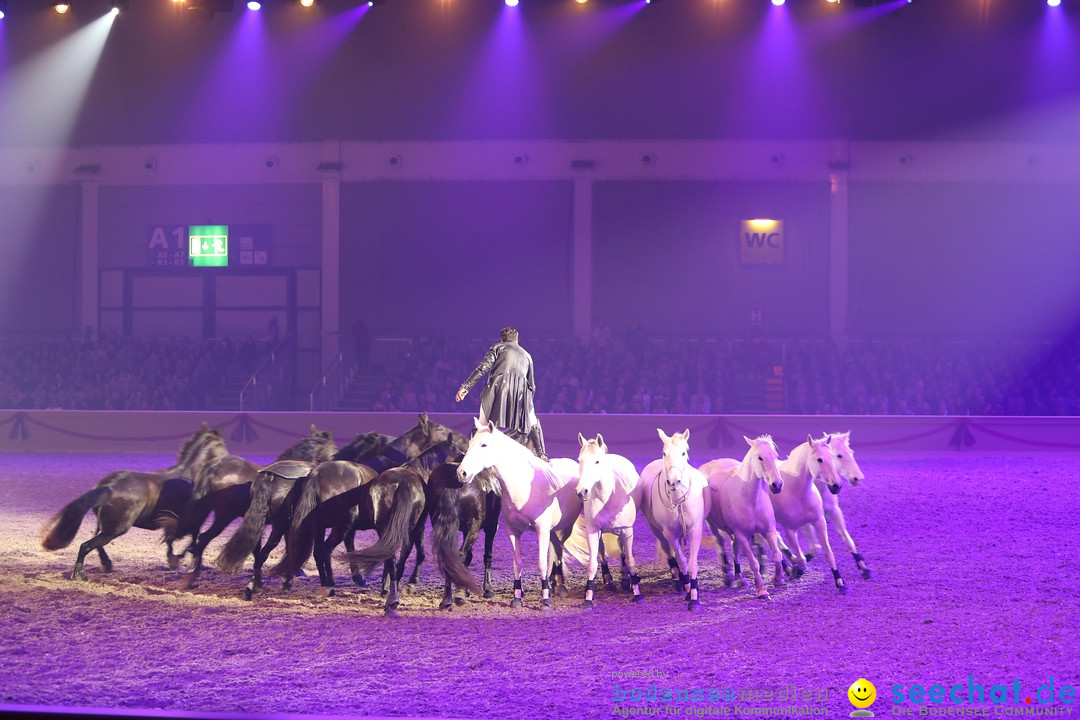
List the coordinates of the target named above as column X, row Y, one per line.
column 507, row 398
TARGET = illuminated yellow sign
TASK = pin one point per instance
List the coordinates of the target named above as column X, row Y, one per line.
column 761, row 240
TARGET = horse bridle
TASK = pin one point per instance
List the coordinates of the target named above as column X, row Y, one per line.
column 674, row 504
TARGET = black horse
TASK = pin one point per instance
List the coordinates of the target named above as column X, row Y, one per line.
column 224, row 489
column 285, row 501
column 395, row 506
column 466, row 508
column 128, row 498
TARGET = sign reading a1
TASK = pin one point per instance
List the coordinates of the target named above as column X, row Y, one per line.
column 208, row 245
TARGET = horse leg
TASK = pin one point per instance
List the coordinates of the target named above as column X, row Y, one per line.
column 489, row 543
column 772, row 539
column 558, row 578
column 392, row 599
column 349, row 538
column 321, row 553
column 692, row 568
column 813, row 545
column 199, row 546
column 673, row 565
column 794, row 553
column 97, row 542
column 822, row 531
column 515, row 545
column 626, row 540
column 467, row 542
column 683, row 583
column 593, row 538
column 416, row 540
column 447, row 602
column 744, row 542
column 544, row 533
column 837, row 517
column 624, row 569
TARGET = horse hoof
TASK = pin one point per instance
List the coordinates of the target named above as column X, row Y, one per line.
column 358, row 580
column 384, row 594
column 687, row 598
column 545, row 604
column 247, row 594
column 515, row 603
column 842, row 589
column 173, row 562
column 392, row 613
column 489, row 593
column 459, row 601
column 866, row 574
column 797, row 571
column 610, row 587
column 639, row 598
column 286, row 584
column 626, row 585
column 694, row 606
column 764, row 596
column 588, row 605
column 809, row 556
column 78, row 575
column 408, row 589
column 325, row 592
column 187, row 582
column 561, row 591
column 677, row 586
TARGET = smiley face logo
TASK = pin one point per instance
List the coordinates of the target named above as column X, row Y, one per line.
column 862, row 695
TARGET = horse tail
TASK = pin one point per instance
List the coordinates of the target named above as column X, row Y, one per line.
column 393, row 537
column 300, row 542
column 243, row 541
column 63, row 526
column 445, row 521
column 577, row 544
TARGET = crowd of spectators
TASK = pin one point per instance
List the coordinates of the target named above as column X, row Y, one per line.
column 608, row 373
column 112, row 372
column 631, row 374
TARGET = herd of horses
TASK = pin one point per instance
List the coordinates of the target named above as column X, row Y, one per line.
column 316, row 496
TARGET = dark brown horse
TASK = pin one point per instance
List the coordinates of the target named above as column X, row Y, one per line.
column 224, row 489
column 129, row 498
column 466, row 508
column 394, row 505
column 298, row 497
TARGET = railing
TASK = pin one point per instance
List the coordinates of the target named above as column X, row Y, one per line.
column 268, row 386
column 331, row 386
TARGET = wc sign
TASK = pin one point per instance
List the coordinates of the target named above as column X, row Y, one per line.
column 761, row 241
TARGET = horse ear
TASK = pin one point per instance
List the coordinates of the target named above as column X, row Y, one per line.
column 748, row 441
column 478, row 423
column 491, row 426
column 663, row 436
column 686, row 434
column 600, row 440
column 810, row 439
column 313, row 428
column 581, row 439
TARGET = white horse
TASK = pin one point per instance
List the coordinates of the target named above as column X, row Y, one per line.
column 609, row 488
column 800, row 504
column 537, row 495
column 741, row 507
column 848, row 469
column 675, row 503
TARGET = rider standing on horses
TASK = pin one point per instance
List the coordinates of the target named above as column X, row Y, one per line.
column 507, row 398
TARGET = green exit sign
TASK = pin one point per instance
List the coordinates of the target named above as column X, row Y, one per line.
column 208, row 245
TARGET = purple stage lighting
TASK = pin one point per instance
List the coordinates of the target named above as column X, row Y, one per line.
column 777, row 3
column 254, row 5
column 511, row 3
column 1053, row 3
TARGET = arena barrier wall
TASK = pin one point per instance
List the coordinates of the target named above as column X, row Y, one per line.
column 52, row 431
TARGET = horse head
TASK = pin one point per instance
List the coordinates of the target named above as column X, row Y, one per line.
column 676, row 464
column 763, row 461
column 840, row 445
column 481, row 453
column 819, row 463
column 596, row 479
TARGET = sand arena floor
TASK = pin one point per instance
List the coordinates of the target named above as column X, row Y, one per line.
column 975, row 561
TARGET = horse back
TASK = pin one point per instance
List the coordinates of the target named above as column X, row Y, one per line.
column 225, row 472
